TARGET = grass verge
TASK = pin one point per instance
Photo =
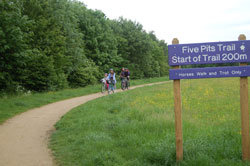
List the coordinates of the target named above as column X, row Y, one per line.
column 136, row 128
column 12, row 105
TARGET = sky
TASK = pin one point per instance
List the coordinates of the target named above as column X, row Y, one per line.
column 191, row 21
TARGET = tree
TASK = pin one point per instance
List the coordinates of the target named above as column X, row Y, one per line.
column 14, row 32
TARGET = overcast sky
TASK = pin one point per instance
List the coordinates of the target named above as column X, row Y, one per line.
column 191, row 21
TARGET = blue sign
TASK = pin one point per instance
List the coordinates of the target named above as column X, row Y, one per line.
column 208, row 53
column 211, row 72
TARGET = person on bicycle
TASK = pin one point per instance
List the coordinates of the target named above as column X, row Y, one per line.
column 105, row 83
column 122, row 74
column 126, row 73
column 122, row 77
column 111, row 78
column 106, row 80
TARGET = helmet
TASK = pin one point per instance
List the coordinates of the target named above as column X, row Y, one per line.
column 111, row 70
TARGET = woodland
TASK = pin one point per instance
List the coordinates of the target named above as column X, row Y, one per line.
column 48, row 45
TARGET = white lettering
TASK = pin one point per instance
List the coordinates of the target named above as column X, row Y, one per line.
column 205, row 57
column 212, row 73
column 178, row 59
column 186, row 74
column 201, row 73
column 174, row 59
column 197, row 58
column 235, row 56
column 238, row 72
column 207, row 48
column 220, row 46
column 184, row 48
column 224, row 72
column 187, row 49
column 226, row 47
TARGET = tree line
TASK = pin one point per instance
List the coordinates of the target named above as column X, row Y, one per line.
column 54, row 44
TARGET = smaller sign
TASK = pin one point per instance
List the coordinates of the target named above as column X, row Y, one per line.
column 211, row 72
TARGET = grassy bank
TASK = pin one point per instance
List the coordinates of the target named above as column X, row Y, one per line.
column 12, row 105
column 136, row 128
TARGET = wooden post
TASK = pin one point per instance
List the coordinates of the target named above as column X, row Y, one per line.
column 177, row 110
column 244, row 107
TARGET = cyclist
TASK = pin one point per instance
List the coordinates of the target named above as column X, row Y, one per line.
column 122, row 74
column 122, row 77
column 105, row 83
column 126, row 75
column 111, row 78
column 106, row 80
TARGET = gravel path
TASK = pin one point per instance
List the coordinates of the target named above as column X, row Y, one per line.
column 24, row 138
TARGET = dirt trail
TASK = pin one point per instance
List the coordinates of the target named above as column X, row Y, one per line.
column 24, row 138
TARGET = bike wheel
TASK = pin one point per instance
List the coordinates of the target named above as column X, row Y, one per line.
column 103, row 88
column 110, row 89
column 128, row 85
column 123, row 85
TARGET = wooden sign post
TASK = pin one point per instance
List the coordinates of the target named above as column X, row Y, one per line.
column 211, row 53
column 177, row 110
column 244, row 107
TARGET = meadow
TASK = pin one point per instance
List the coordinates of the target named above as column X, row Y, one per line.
column 11, row 105
column 136, row 128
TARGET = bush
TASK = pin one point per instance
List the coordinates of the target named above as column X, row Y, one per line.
column 83, row 76
column 40, row 73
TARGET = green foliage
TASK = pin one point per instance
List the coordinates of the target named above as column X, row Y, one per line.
column 12, row 44
column 51, row 44
column 84, row 75
column 142, row 52
column 40, row 72
column 137, row 127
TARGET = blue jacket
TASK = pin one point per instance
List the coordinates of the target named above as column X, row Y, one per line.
column 109, row 77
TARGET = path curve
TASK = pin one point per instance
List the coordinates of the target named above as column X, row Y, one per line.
column 24, row 138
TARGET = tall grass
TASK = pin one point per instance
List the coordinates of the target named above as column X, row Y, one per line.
column 12, row 105
column 136, row 128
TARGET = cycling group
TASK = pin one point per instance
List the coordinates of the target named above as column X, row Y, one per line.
column 109, row 80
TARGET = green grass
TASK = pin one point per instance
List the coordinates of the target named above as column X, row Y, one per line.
column 13, row 105
column 136, row 128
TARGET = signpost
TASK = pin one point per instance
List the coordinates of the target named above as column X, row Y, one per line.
column 211, row 53
column 244, row 107
column 177, row 110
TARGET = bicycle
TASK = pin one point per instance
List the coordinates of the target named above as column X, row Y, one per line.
column 128, row 84
column 124, row 83
column 104, row 86
column 111, row 87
